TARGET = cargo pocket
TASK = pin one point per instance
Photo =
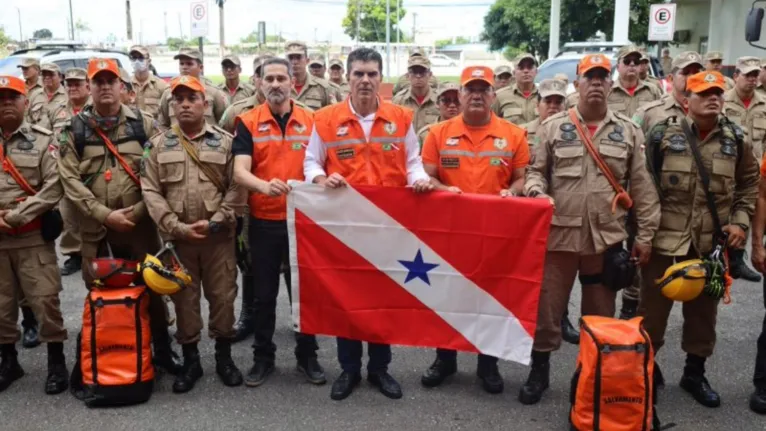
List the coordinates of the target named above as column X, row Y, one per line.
column 217, row 162
column 676, row 173
column 171, row 166
column 722, row 178
column 29, row 168
column 568, row 159
column 615, row 156
column 513, row 115
column 39, row 272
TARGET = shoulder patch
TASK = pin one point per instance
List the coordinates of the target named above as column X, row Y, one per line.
column 41, row 130
column 222, row 131
column 626, row 119
column 169, row 133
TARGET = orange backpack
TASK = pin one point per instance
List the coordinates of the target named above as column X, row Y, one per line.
column 612, row 388
column 116, row 361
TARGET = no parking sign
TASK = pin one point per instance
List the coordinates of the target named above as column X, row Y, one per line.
column 662, row 22
column 199, row 14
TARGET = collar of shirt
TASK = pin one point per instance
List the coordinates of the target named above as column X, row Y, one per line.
column 365, row 122
column 282, row 120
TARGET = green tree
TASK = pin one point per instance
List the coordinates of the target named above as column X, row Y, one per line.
column 81, row 27
column 372, row 25
column 4, row 39
column 524, row 24
column 253, row 38
column 444, row 42
column 42, row 33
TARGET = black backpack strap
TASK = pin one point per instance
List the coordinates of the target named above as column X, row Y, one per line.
column 135, row 129
column 654, row 155
column 78, row 132
column 719, row 235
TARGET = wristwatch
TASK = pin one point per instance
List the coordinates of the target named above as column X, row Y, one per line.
column 214, row 227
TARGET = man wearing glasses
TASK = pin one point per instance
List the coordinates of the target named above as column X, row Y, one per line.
column 449, row 107
column 714, row 63
column 314, row 92
column 419, row 97
column 233, row 87
column 149, row 88
column 629, row 92
column 475, row 152
column 518, row 103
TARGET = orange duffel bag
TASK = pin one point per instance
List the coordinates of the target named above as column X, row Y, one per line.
column 612, row 388
column 116, row 361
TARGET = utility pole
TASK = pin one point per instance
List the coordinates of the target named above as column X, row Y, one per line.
column 71, row 21
column 129, row 25
column 414, row 26
column 180, row 27
column 398, row 34
column 221, row 27
column 358, row 21
column 388, row 38
column 21, row 33
column 166, row 25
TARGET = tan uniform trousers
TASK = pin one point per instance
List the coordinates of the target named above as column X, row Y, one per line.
column 212, row 265
column 33, row 272
column 699, row 315
column 70, row 236
column 560, row 271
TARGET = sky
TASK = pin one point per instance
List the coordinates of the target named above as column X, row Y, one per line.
column 295, row 19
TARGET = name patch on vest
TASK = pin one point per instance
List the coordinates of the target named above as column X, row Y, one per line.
column 450, row 162
column 345, row 153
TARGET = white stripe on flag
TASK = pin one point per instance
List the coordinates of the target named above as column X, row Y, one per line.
column 377, row 237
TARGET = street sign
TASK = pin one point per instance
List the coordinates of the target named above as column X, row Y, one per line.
column 199, row 18
column 662, row 22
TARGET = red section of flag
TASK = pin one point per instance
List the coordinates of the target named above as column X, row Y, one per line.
column 342, row 294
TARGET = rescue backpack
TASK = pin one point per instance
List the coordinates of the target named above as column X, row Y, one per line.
column 115, row 347
column 613, row 384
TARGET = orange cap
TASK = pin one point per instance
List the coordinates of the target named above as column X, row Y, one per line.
column 593, row 61
column 189, row 82
column 703, row 81
column 98, row 65
column 13, row 83
column 477, row 73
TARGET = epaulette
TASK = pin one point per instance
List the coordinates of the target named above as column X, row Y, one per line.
column 553, row 117
column 41, row 130
column 652, row 104
column 504, row 89
column 222, row 131
column 302, row 105
column 624, row 117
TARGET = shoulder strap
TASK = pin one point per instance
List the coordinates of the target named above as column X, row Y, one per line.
column 621, row 197
column 654, row 156
column 10, row 168
column 215, row 178
column 136, row 128
column 112, row 149
column 78, row 131
column 705, row 176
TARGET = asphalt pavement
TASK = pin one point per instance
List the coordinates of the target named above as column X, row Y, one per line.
column 287, row 402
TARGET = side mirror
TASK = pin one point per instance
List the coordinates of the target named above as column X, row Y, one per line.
column 753, row 25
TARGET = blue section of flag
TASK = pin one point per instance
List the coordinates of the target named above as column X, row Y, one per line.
column 417, row 268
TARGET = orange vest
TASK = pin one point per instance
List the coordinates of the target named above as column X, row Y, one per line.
column 484, row 167
column 382, row 161
column 276, row 156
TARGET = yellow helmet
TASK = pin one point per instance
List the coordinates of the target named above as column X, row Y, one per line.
column 162, row 280
column 684, row 281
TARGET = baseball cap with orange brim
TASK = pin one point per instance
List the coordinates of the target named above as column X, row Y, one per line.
column 594, row 61
column 704, row 81
column 13, row 83
column 477, row 73
column 102, row 65
column 189, row 82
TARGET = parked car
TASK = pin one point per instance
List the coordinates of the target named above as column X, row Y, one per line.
column 441, row 60
column 65, row 54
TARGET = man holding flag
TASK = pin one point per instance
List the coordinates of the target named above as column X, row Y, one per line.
column 476, row 152
column 364, row 141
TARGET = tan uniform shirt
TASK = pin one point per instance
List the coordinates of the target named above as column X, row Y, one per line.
column 32, row 150
column 423, row 132
column 243, row 91
column 667, row 65
column 760, row 89
column 403, row 83
column 59, row 115
column 40, row 103
column 653, row 113
column 729, row 82
column 228, row 121
column 217, row 104
column 621, row 101
column 752, row 119
column 573, row 99
column 96, row 184
column 344, row 89
column 514, row 107
column 316, row 93
column 733, row 180
column 149, row 93
column 652, row 80
column 583, row 221
column 532, row 138
column 178, row 192
column 425, row 113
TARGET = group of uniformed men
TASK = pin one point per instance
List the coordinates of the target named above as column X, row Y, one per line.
column 130, row 156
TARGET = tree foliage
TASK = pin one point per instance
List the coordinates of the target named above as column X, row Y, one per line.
column 441, row 43
column 42, row 33
column 524, row 24
column 372, row 26
column 4, row 39
column 253, row 38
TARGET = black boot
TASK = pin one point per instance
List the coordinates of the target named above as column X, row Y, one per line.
column 695, row 383
column 538, row 380
column 629, row 308
column 76, row 386
column 224, row 366
column 10, row 370
column 245, row 326
column 165, row 360
column 58, row 376
column 659, row 379
column 71, row 265
column 568, row 332
column 758, row 401
column 739, row 269
column 491, row 380
column 30, row 339
column 438, row 372
column 191, row 371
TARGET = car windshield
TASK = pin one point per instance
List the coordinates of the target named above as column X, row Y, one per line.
column 567, row 66
column 9, row 66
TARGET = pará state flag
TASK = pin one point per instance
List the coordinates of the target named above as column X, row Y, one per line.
column 386, row 265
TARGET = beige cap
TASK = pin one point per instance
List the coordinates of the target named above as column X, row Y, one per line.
column 763, row 62
column 628, row 50
column 51, row 67
column 30, row 62
column 685, row 59
column 447, row 86
column 418, row 61
column 417, row 52
column 124, row 76
column 503, row 68
column 552, row 87
column 295, row 47
column 714, row 55
column 76, row 73
column 524, row 56
column 748, row 65
column 139, row 49
column 189, row 53
column 317, row 59
column 644, row 55
column 561, row 77
column 231, row 59
column 259, row 59
column 336, row 62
